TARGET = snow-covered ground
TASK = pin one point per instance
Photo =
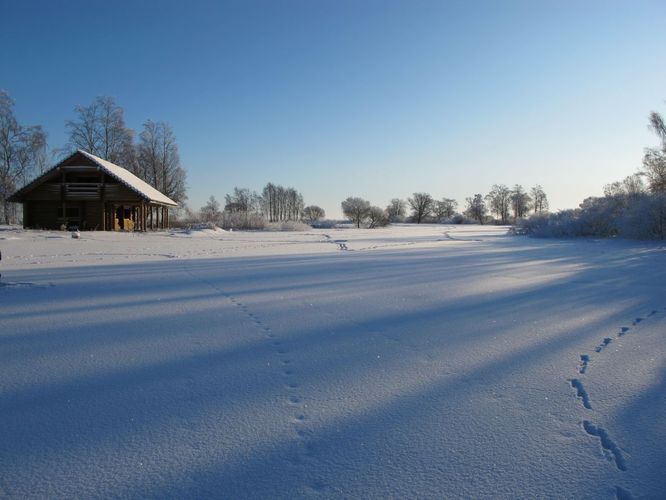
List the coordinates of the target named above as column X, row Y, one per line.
column 432, row 361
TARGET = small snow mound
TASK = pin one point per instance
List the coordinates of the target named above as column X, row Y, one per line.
column 203, row 229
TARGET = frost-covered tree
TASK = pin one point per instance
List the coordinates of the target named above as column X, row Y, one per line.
column 654, row 161
column 377, row 218
column 210, row 212
column 356, row 209
column 520, row 202
column 631, row 186
column 281, row 204
column 242, row 201
column 539, row 199
column 421, row 204
column 444, row 208
column 396, row 210
column 476, row 208
column 499, row 202
column 22, row 151
column 313, row 213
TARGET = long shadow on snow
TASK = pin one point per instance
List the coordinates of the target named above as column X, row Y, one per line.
column 171, row 290
column 275, row 469
column 645, row 417
column 90, row 389
column 78, row 338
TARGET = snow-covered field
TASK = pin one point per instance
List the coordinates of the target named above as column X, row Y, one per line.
column 403, row 362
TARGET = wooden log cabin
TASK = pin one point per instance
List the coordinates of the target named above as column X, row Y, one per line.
column 90, row 193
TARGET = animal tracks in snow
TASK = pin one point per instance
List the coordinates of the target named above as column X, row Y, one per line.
column 584, row 361
column 609, row 447
column 605, row 342
column 581, row 392
column 298, row 416
column 606, row 443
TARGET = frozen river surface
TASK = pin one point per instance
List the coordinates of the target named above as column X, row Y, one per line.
column 412, row 361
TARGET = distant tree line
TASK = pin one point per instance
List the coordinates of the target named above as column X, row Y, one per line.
column 508, row 205
column 246, row 209
column 98, row 128
column 281, row 204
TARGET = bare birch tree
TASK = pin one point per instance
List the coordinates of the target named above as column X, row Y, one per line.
column 22, row 151
column 158, row 161
column 99, row 128
column 281, row 204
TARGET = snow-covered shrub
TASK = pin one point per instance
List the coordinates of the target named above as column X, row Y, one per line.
column 601, row 216
column 183, row 217
column 238, row 220
column 645, row 219
column 460, row 219
column 325, row 224
column 199, row 226
column 562, row 224
column 290, row 225
column 637, row 216
column 377, row 218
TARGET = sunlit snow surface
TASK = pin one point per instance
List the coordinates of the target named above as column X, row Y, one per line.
column 432, row 361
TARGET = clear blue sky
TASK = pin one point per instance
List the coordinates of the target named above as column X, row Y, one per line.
column 369, row 98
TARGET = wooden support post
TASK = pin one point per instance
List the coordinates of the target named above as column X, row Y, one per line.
column 102, row 197
column 63, row 187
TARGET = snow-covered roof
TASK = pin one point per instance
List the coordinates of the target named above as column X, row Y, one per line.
column 124, row 176
column 130, row 180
